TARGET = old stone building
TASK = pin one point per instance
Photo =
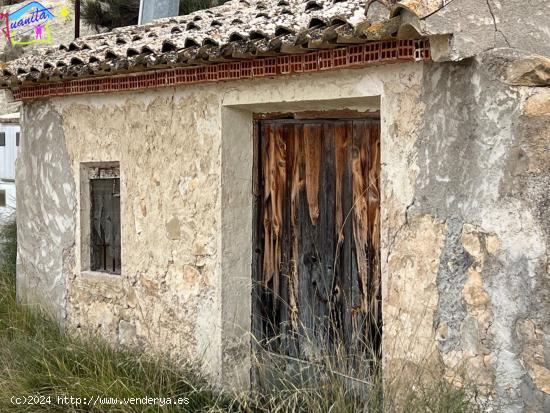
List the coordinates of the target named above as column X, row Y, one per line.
column 384, row 164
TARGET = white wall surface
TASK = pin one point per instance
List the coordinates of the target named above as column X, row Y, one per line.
column 8, row 153
column 8, row 156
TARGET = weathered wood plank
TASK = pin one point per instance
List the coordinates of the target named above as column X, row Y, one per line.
column 344, row 277
column 266, row 297
column 296, row 168
column 278, row 190
column 360, row 206
column 319, row 224
column 286, row 250
column 312, row 156
column 257, row 242
column 105, row 225
column 316, row 115
column 325, row 232
column 309, row 256
column 374, row 333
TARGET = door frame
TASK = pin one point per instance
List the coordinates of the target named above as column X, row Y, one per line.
column 230, row 356
column 300, row 117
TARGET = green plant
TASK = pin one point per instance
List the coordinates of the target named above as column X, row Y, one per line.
column 339, row 378
column 117, row 13
column 110, row 13
column 10, row 2
column 37, row 358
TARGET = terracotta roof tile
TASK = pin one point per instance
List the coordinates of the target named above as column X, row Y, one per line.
column 238, row 29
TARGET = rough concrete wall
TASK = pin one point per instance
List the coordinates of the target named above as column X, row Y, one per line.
column 395, row 90
column 466, row 222
column 527, row 179
column 46, row 205
column 168, row 298
column 7, row 107
column 481, row 25
column 165, row 300
column 464, row 218
column 484, row 174
column 236, row 227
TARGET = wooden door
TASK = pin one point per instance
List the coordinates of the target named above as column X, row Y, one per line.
column 317, row 266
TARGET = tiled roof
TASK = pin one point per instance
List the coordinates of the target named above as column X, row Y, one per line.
column 237, row 30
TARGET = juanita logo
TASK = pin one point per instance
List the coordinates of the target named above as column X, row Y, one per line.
column 31, row 23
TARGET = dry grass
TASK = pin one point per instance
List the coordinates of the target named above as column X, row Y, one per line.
column 36, row 358
column 336, row 381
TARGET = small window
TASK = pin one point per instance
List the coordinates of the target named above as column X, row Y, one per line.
column 2, row 138
column 2, row 198
column 17, row 135
column 105, row 220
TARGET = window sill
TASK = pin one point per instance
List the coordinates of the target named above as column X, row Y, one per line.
column 98, row 274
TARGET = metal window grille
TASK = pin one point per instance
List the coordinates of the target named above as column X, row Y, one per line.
column 105, row 249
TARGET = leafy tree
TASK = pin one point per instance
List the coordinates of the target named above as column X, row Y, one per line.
column 108, row 14
column 189, row 6
column 10, row 2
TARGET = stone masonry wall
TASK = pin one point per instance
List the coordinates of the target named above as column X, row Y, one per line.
column 464, row 218
column 166, row 298
column 480, row 213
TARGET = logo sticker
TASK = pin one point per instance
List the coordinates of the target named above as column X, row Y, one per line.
column 31, row 23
